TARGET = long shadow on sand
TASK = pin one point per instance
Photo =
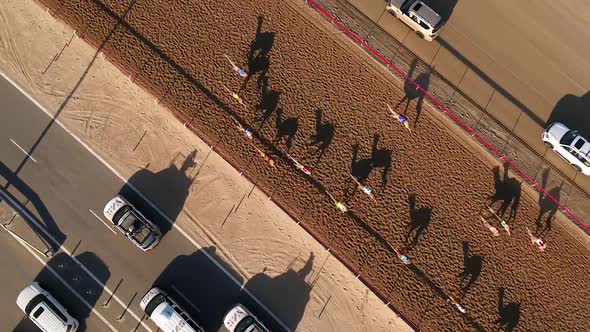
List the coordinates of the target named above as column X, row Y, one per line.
column 547, row 206
column 362, row 168
column 412, row 92
column 324, row 134
column 168, row 189
column 472, row 265
column 509, row 312
column 508, row 191
column 198, row 283
column 419, row 221
column 77, row 278
column 45, row 219
column 259, row 54
column 286, row 129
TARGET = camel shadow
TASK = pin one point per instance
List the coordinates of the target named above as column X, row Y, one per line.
column 285, row 128
column 472, row 266
column 547, row 206
column 168, row 189
column 269, row 102
column 419, row 221
column 411, row 91
column 380, row 158
column 507, row 191
column 259, row 54
column 509, row 313
column 324, row 134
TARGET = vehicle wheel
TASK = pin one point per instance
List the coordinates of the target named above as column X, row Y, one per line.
column 420, row 34
column 577, row 168
column 547, row 144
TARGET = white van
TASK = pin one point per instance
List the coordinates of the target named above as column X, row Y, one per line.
column 44, row 310
column 418, row 16
column 167, row 315
column 240, row 319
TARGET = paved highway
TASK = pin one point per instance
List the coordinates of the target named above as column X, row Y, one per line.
column 48, row 174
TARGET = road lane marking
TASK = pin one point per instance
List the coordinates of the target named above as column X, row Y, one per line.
column 25, row 214
column 24, row 151
column 70, row 288
column 184, row 297
column 104, row 223
column 157, row 209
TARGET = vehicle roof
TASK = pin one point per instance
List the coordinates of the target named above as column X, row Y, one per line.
column 169, row 320
column 427, row 14
column 234, row 316
column 48, row 319
column 27, row 294
column 113, row 206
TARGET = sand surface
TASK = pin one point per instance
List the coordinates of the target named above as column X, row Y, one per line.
column 328, row 298
column 178, row 55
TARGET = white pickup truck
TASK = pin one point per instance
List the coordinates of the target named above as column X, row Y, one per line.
column 418, row 16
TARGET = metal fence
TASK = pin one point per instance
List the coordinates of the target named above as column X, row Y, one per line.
column 471, row 116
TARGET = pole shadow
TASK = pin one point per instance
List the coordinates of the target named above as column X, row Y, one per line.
column 472, row 265
column 324, row 134
column 78, row 279
column 572, row 111
column 508, row 191
column 198, row 283
column 46, row 220
column 286, row 129
column 547, row 206
column 287, row 293
column 168, row 189
column 419, row 221
column 509, row 312
column 259, row 54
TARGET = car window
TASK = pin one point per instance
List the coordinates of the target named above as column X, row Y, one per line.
column 418, row 6
column 154, row 303
column 38, row 313
column 579, row 143
column 568, row 138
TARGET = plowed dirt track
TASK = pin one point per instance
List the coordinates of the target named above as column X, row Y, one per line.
column 175, row 49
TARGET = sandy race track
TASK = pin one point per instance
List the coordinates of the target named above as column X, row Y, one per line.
column 310, row 82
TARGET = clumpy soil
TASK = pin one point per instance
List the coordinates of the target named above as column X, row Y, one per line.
column 307, row 81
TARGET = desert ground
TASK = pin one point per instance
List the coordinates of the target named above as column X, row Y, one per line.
column 318, row 98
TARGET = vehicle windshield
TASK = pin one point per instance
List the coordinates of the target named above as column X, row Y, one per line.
column 249, row 324
column 154, row 303
column 136, row 227
column 569, row 137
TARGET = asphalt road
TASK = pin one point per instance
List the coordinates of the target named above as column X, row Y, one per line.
column 62, row 185
column 526, row 63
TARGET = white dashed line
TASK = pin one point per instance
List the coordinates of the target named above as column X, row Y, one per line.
column 104, row 223
column 23, row 150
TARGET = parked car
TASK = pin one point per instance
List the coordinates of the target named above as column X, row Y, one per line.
column 166, row 313
column 44, row 310
column 418, row 16
column 129, row 221
column 568, row 144
column 239, row 319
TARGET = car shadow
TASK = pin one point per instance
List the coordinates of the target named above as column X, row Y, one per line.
column 45, row 219
column 572, row 111
column 78, row 279
column 202, row 284
column 168, row 189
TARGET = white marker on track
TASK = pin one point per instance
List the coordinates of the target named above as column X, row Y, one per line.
column 23, row 150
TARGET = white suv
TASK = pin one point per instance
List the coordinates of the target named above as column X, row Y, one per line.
column 567, row 143
column 239, row 319
column 44, row 310
column 418, row 16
